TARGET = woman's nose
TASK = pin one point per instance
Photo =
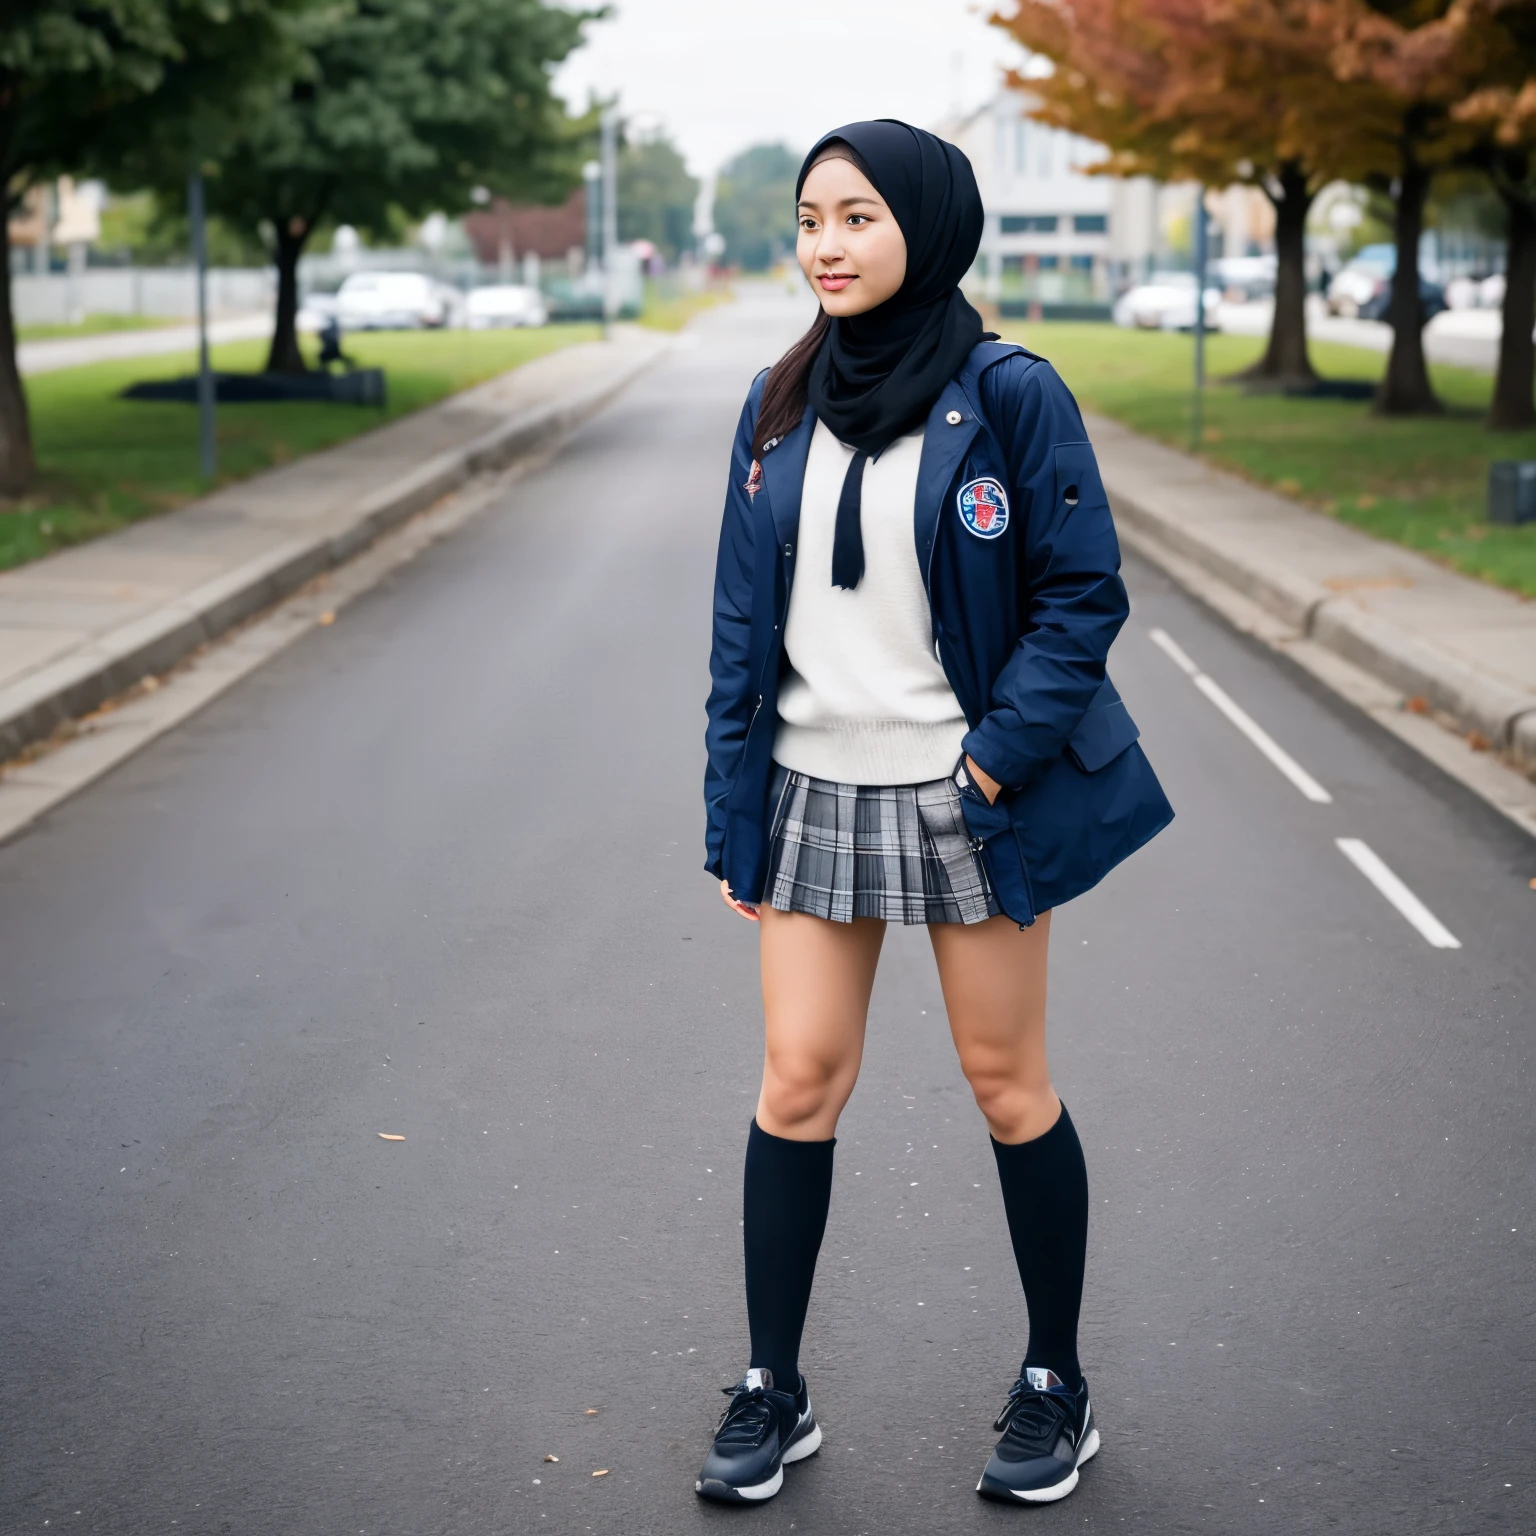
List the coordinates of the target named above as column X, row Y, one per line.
column 829, row 248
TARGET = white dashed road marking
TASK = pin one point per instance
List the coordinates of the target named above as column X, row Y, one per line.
column 1369, row 863
column 1243, row 721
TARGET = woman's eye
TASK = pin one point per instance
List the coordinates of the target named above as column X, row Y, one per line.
column 856, row 219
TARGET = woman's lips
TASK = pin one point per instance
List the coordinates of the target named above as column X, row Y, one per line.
column 832, row 282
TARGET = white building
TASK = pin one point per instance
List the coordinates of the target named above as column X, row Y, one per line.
column 1057, row 241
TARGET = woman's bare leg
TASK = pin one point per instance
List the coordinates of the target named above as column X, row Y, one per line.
column 817, row 977
column 993, row 977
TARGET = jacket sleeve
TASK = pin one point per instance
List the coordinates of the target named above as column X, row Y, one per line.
column 1075, row 601
column 730, row 696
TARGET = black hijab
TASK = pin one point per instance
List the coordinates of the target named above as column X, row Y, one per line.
column 878, row 374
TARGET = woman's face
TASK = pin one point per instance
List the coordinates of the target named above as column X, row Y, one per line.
column 850, row 246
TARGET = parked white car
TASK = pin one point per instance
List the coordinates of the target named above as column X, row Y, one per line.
column 504, row 304
column 391, row 301
column 1166, row 302
column 1243, row 279
column 1363, row 282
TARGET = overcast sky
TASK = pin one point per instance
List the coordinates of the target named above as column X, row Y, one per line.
column 723, row 74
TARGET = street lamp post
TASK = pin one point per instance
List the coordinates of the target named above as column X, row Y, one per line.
column 207, row 442
column 610, row 142
column 1196, row 419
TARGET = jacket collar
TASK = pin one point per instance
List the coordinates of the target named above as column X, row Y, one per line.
column 784, row 477
column 945, row 443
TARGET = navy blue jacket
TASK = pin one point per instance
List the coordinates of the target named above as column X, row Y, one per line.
column 1021, row 564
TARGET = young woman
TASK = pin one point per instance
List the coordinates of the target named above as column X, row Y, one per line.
column 910, row 722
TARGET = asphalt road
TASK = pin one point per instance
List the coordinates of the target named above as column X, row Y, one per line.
column 435, row 873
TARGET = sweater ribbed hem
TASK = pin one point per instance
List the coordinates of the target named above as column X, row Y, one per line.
column 871, row 751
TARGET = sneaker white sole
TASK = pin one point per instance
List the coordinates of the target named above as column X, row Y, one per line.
column 1089, row 1449
column 803, row 1448
column 808, row 1445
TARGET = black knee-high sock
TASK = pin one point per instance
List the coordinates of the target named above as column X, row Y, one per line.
column 788, row 1188
column 1045, row 1192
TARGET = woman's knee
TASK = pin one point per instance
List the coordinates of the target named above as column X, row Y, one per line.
column 802, row 1090
column 1017, row 1106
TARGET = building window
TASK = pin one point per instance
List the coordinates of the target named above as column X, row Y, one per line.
column 1029, row 223
column 1090, row 224
column 1012, row 264
column 1020, row 147
column 1049, row 263
column 1082, row 263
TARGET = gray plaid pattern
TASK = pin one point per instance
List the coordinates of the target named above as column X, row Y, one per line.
column 900, row 852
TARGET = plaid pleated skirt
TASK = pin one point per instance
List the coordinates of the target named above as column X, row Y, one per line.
column 900, row 852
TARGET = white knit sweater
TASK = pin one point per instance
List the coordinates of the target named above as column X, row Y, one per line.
column 866, row 701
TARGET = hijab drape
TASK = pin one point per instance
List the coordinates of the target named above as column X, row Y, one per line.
column 877, row 374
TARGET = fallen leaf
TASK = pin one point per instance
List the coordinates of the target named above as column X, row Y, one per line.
column 389, row 1136
column 601, row 1472
column 326, row 618
column 591, row 1411
column 149, row 684
column 1365, row 503
column 551, row 1458
column 1477, row 741
column 1533, row 887
column 1417, row 705
column 1288, row 486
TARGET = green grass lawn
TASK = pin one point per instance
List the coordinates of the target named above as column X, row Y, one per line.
column 95, row 325
column 1421, row 481
column 664, row 310
column 104, row 461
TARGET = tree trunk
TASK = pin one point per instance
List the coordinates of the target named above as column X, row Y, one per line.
column 1405, row 388
column 16, row 461
column 1513, row 409
column 1285, row 361
column 284, row 355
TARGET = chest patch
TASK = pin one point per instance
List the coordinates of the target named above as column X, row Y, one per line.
column 983, row 507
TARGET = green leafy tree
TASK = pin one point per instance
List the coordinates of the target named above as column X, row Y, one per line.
column 399, row 106
column 73, row 73
column 755, row 205
column 656, row 196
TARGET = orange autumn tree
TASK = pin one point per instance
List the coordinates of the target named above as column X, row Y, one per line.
column 1217, row 91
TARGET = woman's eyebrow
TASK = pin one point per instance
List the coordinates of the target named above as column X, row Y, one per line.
column 846, row 202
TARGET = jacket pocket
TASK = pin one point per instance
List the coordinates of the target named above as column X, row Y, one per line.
column 1102, row 735
column 995, row 842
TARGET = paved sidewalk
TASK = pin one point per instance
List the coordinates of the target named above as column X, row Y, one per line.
column 1466, row 648
column 35, row 357
column 82, row 625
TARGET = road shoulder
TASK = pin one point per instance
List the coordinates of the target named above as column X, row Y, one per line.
column 1445, row 663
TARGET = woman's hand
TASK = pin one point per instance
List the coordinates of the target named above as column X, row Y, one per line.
column 741, row 908
column 984, row 780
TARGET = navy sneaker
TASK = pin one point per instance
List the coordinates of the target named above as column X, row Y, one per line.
column 1048, row 1433
column 761, row 1431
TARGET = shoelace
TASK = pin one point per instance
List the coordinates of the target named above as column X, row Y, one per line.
column 1034, row 1418
column 748, row 1418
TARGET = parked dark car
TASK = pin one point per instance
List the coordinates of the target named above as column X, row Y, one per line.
column 1431, row 302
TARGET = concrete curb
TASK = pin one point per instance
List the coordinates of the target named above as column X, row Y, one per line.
column 1503, row 714
column 74, row 685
